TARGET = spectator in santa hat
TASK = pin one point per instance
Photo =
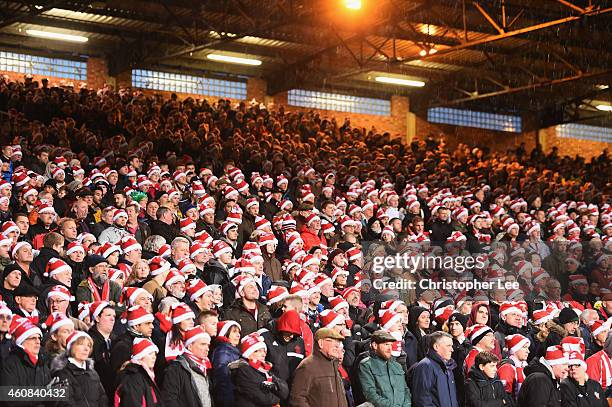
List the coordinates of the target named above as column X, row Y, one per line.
column 578, row 388
column 52, row 247
column 58, row 327
column 599, row 366
column 164, row 224
column 75, row 369
column 183, row 319
column 482, row 339
column 217, row 270
column 542, row 378
column 187, row 378
column 25, row 365
column 98, row 287
column 118, row 230
column 598, row 330
column 226, row 350
column 483, row 386
column 247, row 310
column 254, row 383
column 272, row 266
column 511, row 322
column 139, row 325
column 75, row 258
column 137, row 385
column 511, row 370
column 251, row 213
column 285, row 344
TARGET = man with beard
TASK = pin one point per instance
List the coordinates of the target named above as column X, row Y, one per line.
column 97, row 287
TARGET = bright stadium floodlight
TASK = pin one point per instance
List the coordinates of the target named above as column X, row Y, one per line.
column 233, row 60
column 56, row 36
column 398, row 81
column 604, row 108
column 352, row 4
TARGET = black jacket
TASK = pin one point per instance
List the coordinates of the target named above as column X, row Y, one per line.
column 482, row 391
column 102, row 361
column 440, row 231
column 40, row 262
column 136, row 388
column 248, row 389
column 18, row 370
column 540, row 388
column 168, row 232
column 589, row 395
column 121, row 350
column 240, row 314
column 179, row 388
column 284, row 356
column 85, row 387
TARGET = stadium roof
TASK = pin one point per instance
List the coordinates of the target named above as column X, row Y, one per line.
column 546, row 60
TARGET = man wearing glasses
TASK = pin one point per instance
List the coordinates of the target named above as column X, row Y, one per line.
column 317, row 381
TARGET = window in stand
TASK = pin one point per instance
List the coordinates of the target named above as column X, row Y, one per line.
column 471, row 118
column 338, row 102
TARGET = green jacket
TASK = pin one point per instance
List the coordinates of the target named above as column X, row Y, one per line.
column 383, row 382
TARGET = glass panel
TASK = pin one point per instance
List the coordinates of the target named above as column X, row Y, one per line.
column 584, row 132
column 470, row 118
column 338, row 102
column 32, row 64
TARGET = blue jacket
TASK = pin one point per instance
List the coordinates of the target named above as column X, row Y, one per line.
column 433, row 383
column 223, row 390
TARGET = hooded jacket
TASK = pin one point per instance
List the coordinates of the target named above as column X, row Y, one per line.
column 482, row 391
column 285, row 356
column 540, row 387
column 223, row 390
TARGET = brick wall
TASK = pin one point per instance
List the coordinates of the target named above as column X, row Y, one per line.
column 494, row 140
column 97, row 72
column 396, row 124
column 571, row 147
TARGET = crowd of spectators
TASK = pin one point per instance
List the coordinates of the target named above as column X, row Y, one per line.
column 157, row 251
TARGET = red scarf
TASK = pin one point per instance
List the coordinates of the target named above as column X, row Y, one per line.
column 165, row 323
column 202, row 363
column 33, row 316
column 96, row 294
column 33, row 357
column 263, row 367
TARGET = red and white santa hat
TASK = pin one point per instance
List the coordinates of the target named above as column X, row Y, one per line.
column 509, row 307
column 60, row 291
column 138, row 315
column 251, row 343
column 8, row 227
column 181, row 312
column 223, row 327
column 261, row 223
column 55, row 321
column 389, row 305
column 330, row 318
column 74, row 247
column 242, row 282
column 196, row 288
column 142, row 347
column 5, row 310
column 348, row 291
column 187, row 224
column 130, row 294
column 186, row 266
column 96, row 308
column 337, row 271
column 573, row 344
column 158, row 265
column 174, row 276
column 353, row 254
column 196, row 248
column 107, row 249
column 56, row 266
column 276, row 294
column 129, row 244
column 266, row 238
column 388, row 319
column 227, row 226
column 555, row 356
column 576, row 358
column 337, row 303
column 577, row 279
column 220, row 248
column 516, row 342
column 119, row 213
column 598, row 327
column 22, row 329
column 164, row 251
column 72, row 338
column 194, row 334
